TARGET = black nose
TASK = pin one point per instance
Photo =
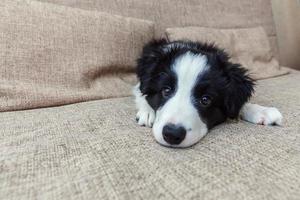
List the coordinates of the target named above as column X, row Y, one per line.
column 173, row 134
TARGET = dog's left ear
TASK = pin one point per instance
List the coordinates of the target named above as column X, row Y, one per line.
column 238, row 90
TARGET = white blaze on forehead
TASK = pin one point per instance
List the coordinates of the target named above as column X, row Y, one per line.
column 187, row 68
column 179, row 109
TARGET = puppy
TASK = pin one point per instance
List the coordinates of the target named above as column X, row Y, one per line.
column 186, row 88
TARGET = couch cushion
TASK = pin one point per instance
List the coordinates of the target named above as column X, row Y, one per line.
column 248, row 46
column 53, row 55
column 287, row 18
column 95, row 150
column 176, row 13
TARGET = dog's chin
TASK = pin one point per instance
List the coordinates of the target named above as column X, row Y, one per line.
column 191, row 138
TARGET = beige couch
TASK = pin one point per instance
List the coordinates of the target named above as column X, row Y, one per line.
column 95, row 149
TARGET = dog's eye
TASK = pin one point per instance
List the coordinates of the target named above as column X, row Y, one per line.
column 205, row 100
column 166, row 91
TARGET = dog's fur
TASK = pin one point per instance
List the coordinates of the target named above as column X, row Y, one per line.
column 186, row 88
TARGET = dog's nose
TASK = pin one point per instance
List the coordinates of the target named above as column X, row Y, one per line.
column 173, row 134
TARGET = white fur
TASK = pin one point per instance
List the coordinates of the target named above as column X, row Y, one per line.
column 145, row 115
column 179, row 109
column 261, row 115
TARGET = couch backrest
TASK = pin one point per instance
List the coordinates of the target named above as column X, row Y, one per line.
column 174, row 13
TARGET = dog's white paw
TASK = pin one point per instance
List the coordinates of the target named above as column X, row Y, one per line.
column 268, row 116
column 145, row 117
column 261, row 115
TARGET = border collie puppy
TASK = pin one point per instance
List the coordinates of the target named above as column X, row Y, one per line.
column 186, row 88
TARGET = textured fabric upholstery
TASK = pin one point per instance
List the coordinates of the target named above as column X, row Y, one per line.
column 54, row 55
column 178, row 13
column 95, row 150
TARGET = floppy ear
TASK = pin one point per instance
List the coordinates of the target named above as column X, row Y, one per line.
column 147, row 63
column 238, row 90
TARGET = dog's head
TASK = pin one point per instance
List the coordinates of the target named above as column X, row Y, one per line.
column 192, row 87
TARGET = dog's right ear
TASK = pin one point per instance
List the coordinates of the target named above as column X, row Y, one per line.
column 148, row 61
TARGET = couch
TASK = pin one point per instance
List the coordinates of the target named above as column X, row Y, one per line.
column 93, row 148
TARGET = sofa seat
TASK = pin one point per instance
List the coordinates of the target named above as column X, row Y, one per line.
column 95, row 150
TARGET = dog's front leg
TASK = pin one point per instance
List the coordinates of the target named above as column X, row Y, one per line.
column 145, row 115
column 257, row 114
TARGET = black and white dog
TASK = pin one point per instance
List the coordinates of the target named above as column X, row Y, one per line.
column 186, row 88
